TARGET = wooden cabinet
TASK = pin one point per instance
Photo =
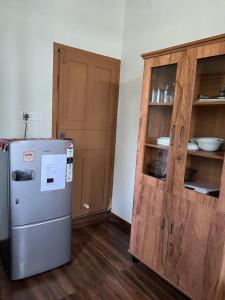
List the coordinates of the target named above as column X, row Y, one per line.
column 151, row 222
column 195, row 248
column 178, row 225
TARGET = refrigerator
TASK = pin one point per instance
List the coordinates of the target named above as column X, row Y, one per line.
column 35, row 205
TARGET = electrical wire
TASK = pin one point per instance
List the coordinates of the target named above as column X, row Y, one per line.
column 26, row 119
column 25, row 129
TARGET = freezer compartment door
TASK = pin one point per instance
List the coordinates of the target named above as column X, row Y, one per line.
column 40, row 247
column 39, row 189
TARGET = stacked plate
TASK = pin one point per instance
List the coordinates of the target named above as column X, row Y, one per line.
column 164, row 141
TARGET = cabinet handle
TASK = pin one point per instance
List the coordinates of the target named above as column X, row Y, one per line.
column 171, row 227
column 163, row 223
column 181, row 136
column 172, row 135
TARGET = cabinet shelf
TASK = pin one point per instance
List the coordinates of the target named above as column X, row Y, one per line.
column 160, row 104
column 156, row 146
column 215, row 155
column 209, row 103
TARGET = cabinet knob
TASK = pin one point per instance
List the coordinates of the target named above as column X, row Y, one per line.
column 180, row 157
column 172, row 135
column 171, row 227
column 181, row 136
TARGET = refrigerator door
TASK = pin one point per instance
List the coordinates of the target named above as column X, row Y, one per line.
column 39, row 187
column 40, row 247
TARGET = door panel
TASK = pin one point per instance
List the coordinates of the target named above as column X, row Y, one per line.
column 90, row 188
column 149, row 231
column 195, row 248
column 77, row 91
column 88, row 94
column 101, row 97
column 89, row 139
column 94, row 181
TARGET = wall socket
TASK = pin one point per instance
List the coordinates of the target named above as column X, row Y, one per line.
column 35, row 116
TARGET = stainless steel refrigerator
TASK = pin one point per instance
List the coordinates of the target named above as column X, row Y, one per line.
column 35, row 205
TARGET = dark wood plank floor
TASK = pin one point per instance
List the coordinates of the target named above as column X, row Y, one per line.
column 101, row 268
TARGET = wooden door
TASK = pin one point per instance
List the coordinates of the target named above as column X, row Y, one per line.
column 149, row 229
column 87, row 107
column 195, row 249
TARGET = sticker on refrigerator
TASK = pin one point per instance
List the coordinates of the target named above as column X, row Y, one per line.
column 28, row 156
column 69, row 151
column 69, row 172
column 53, row 172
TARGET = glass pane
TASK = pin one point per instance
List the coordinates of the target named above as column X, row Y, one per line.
column 207, row 131
column 162, row 90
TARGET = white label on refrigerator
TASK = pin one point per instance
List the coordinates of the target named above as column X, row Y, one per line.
column 53, row 172
column 69, row 173
column 28, row 156
column 69, row 151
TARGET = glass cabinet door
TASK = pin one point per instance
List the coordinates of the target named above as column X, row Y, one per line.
column 160, row 131
column 205, row 153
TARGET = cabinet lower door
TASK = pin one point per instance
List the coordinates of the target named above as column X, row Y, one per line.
column 195, row 249
column 149, row 230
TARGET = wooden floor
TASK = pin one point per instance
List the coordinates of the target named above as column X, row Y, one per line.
column 101, row 268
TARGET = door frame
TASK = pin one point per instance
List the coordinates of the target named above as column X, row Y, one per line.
column 58, row 50
column 55, row 88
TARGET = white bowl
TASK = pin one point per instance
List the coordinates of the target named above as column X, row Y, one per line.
column 192, row 146
column 209, row 144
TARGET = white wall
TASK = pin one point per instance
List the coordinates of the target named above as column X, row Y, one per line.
column 28, row 29
column 151, row 25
